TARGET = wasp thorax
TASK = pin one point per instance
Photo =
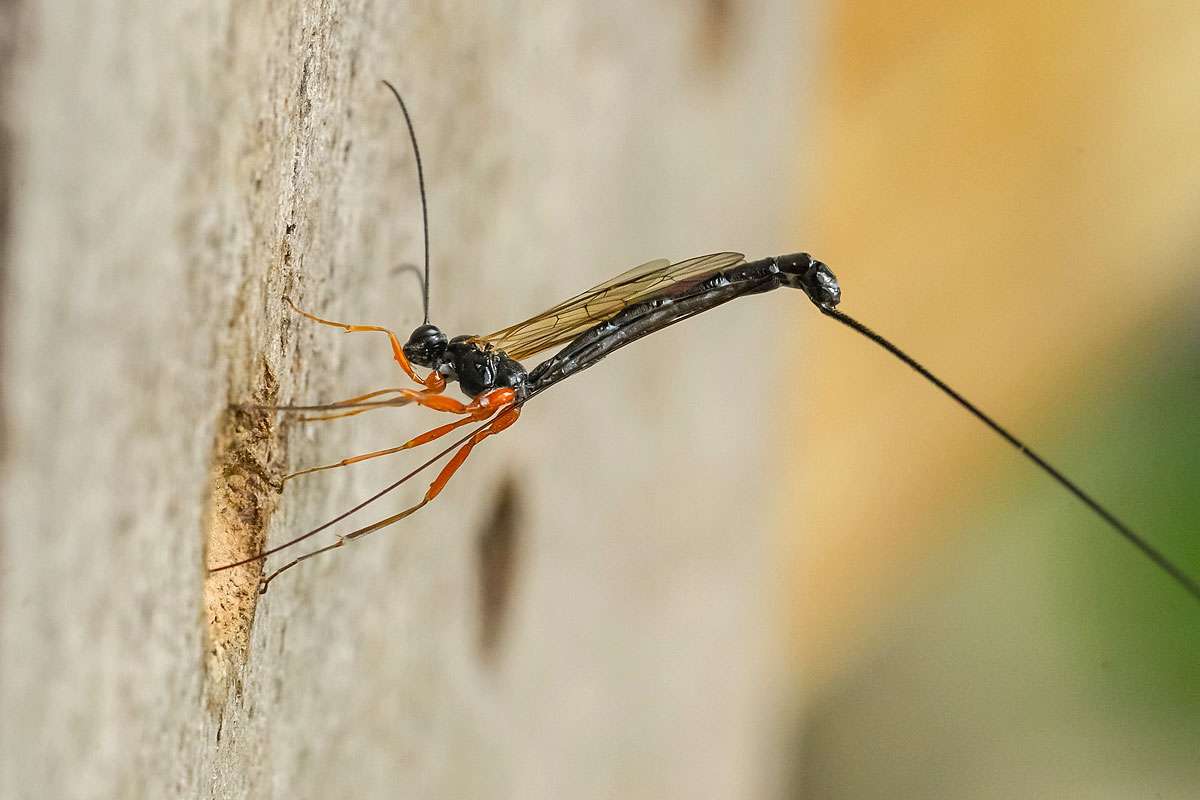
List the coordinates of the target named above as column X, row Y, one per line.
column 472, row 366
column 479, row 368
column 426, row 346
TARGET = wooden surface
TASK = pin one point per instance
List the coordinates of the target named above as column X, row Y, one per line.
column 587, row 611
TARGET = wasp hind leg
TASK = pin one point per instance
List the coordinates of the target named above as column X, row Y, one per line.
column 416, row 441
column 477, row 410
column 504, row 419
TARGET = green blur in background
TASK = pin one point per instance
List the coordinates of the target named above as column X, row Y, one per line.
column 1042, row 655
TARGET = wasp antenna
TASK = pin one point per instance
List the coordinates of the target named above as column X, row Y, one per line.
column 412, row 135
column 1155, row 555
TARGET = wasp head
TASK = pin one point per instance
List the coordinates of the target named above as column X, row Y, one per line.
column 426, row 347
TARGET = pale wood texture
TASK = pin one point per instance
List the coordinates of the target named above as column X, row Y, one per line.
column 177, row 169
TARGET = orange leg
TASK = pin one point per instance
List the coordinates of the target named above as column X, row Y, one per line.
column 434, row 382
column 344, row 414
column 428, row 436
column 401, row 400
column 504, row 419
column 489, row 401
column 478, row 409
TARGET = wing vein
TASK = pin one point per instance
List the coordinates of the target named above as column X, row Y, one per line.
column 569, row 318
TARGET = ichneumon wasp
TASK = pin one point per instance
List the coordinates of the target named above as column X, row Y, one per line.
column 590, row 326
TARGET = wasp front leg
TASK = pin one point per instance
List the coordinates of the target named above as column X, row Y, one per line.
column 433, row 382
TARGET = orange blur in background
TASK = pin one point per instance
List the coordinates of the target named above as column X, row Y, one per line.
column 1010, row 192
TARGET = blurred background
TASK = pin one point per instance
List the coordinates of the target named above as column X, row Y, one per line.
column 1012, row 193
column 902, row 608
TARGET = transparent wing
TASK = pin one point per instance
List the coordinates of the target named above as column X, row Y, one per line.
column 571, row 317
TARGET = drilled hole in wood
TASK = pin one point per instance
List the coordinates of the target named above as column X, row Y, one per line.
column 244, row 489
column 497, row 549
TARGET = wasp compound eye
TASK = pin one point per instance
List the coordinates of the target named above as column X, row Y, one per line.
column 426, row 346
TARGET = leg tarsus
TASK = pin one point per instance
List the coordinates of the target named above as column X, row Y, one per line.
column 403, row 398
column 265, row 582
